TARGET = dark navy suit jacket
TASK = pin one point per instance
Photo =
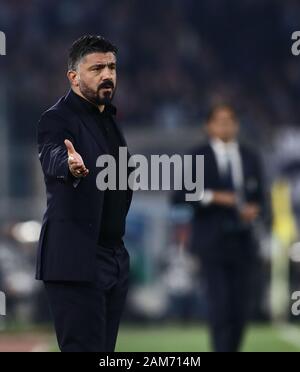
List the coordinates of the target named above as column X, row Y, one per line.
column 211, row 222
column 68, row 241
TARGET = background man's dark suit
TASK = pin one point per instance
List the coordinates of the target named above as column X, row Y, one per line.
column 68, row 246
column 226, row 247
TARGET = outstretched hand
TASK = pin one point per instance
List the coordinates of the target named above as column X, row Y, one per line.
column 76, row 164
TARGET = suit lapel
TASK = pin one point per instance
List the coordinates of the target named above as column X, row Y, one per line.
column 91, row 125
column 123, row 141
column 89, row 122
column 212, row 162
column 245, row 167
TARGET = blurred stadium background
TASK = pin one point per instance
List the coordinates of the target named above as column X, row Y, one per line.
column 176, row 58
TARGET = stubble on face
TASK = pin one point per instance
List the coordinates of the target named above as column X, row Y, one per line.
column 98, row 93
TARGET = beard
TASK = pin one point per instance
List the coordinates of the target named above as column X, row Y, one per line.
column 98, row 97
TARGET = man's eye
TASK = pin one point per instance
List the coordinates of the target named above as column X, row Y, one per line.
column 98, row 68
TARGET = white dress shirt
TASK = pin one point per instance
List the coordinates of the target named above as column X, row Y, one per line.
column 226, row 153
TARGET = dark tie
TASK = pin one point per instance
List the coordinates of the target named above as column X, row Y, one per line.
column 227, row 179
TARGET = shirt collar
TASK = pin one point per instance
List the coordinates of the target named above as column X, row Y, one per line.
column 109, row 108
column 219, row 145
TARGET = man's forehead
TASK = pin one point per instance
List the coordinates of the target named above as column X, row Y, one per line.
column 99, row 58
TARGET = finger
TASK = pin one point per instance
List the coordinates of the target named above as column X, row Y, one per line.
column 79, row 169
column 82, row 174
column 70, row 148
column 82, row 168
column 85, row 173
column 75, row 164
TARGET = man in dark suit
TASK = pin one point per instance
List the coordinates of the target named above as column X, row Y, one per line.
column 223, row 225
column 81, row 256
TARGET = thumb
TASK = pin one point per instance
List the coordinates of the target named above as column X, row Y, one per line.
column 70, row 147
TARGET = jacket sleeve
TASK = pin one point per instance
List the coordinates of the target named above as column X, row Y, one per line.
column 263, row 194
column 51, row 134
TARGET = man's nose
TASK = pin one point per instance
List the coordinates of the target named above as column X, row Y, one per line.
column 107, row 74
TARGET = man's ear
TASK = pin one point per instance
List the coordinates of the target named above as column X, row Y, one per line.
column 73, row 78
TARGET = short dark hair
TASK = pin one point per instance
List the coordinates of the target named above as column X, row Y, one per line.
column 221, row 106
column 88, row 44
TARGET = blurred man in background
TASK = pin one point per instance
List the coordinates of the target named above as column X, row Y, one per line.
column 223, row 225
column 82, row 258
